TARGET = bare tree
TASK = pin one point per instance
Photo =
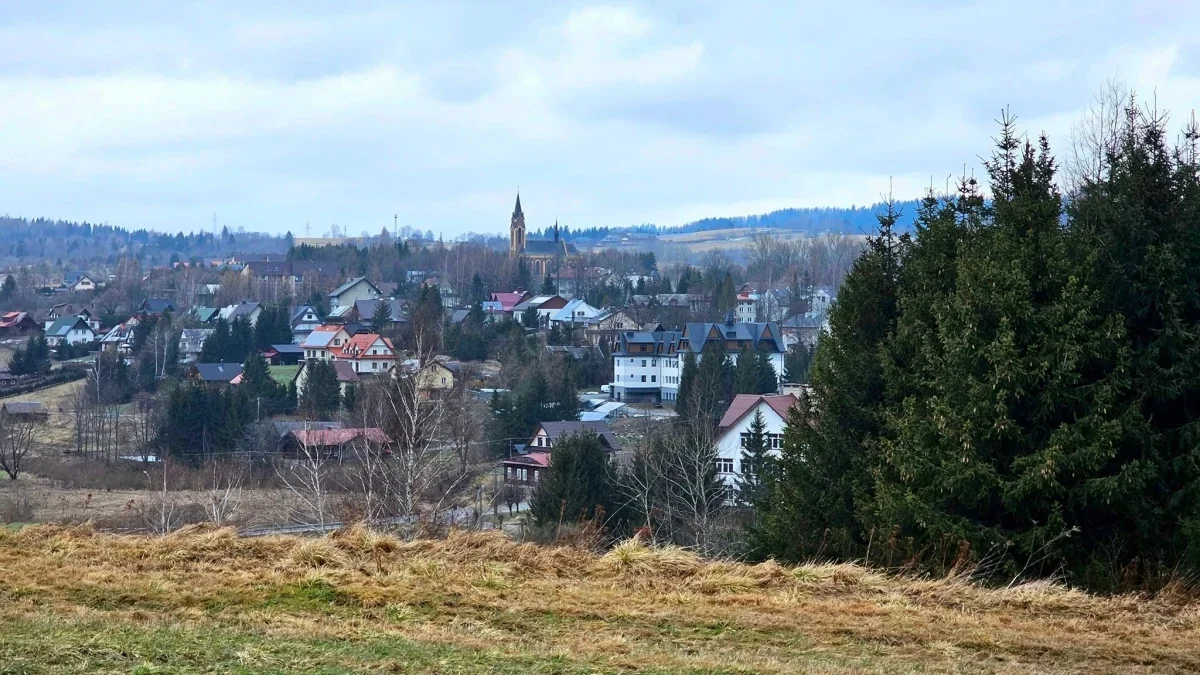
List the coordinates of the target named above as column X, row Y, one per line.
column 307, row 477
column 1094, row 135
column 159, row 512
column 18, row 435
column 224, row 493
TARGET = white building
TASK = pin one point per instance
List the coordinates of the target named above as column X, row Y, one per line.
column 734, row 430
column 73, row 330
column 576, row 312
column 324, row 342
column 648, row 366
column 356, row 289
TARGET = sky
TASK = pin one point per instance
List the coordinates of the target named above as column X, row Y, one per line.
column 276, row 115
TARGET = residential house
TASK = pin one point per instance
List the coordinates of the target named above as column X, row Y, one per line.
column 548, row 434
column 244, row 309
column 215, row 373
column 803, row 328
column 366, row 353
column 32, row 411
column 324, row 341
column 525, row 471
column 191, row 342
column 358, row 288
column 506, row 302
column 364, row 310
column 759, row 337
column 605, row 328
column 156, row 306
column 79, row 281
column 304, row 320
column 544, row 305
column 74, row 330
column 206, row 314
column 576, row 353
column 283, row 354
column 576, row 312
column 334, row 443
column 283, row 277
column 345, row 375
column 119, row 338
column 437, row 376
column 18, row 324
column 66, row 309
column 733, row 432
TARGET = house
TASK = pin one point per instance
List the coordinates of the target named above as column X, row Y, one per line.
column 525, row 470
column 364, row 310
column 79, row 281
column 206, row 314
column 215, row 373
column 734, row 430
column 577, row 312
column 358, row 288
column 66, row 309
column 191, row 342
column 285, row 276
column 334, row 443
column 323, row 341
column 544, row 305
column 119, row 338
column 304, row 320
column 508, row 301
column 606, row 327
column 283, row 354
column 156, row 306
column 366, row 353
column 747, row 306
column 345, row 375
column 32, row 411
column 281, row 428
column 547, row 434
column 18, row 324
column 803, row 328
column 243, row 310
column 759, row 337
column 74, row 330
column 576, row 353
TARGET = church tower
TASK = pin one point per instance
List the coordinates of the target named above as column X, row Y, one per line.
column 516, row 230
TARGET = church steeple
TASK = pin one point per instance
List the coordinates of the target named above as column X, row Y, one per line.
column 516, row 230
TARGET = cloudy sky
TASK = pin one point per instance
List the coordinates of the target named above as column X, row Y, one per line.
column 150, row 114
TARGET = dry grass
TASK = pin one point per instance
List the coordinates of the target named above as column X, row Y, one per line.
column 59, row 432
column 205, row 600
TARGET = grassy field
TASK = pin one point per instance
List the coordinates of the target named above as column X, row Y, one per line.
column 59, row 432
column 207, row 601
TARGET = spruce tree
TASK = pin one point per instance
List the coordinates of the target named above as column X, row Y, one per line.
column 756, row 464
column 687, row 379
column 745, row 373
column 577, row 486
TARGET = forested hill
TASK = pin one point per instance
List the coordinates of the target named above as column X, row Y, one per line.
column 812, row 221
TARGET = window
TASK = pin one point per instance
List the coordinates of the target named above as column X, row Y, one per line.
column 643, row 363
column 653, row 378
column 654, row 363
column 643, row 378
column 745, row 440
column 724, row 465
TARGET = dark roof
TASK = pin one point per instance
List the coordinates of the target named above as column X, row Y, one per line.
column 269, row 268
column 366, row 308
column 288, row 348
column 217, row 372
column 301, row 310
column 577, row 353
column 763, row 336
column 548, row 247
column 662, row 342
column 157, row 305
column 243, row 309
column 24, row 408
column 345, row 371
column 557, row 430
column 802, row 321
column 284, row 427
column 517, row 208
column 458, row 315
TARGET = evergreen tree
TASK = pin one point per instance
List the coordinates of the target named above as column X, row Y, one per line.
column 797, row 363
column 322, row 393
column 381, row 319
column 478, row 293
column 712, row 389
column 350, row 398
column 757, row 464
column 687, row 380
column 768, row 379
column 548, row 287
column 577, row 485
column 529, row 317
column 745, row 373
column 822, row 469
column 217, row 345
column 9, row 288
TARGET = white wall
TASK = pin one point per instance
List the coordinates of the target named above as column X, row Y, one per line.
column 729, row 443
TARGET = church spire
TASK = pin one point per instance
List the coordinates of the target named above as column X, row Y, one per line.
column 517, row 209
column 556, row 229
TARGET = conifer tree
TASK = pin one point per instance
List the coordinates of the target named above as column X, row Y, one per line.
column 687, row 379
column 577, row 485
column 756, row 464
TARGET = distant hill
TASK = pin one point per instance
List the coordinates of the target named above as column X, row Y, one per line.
column 811, row 221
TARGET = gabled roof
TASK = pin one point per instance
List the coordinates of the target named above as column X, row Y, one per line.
column 745, row 404
column 244, row 308
column 334, row 437
column 358, row 346
column 366, row 308
column 509, row 300
column 301, row 310
column 538, row 459
column 351, row 284
column 217, row 372
column 762, row 336
column 205, row 314
column 557, row 430
column 345, row 372
column 287, row 348
column 10, row 319
column 284, row 427
column 567, row 313
column 191, row 340
column 64, row 325
column 157, row 305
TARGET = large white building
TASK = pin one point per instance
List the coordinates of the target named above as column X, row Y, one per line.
column 734, row 430
column 647, row 366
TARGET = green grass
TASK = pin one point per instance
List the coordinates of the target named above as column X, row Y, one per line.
column 65, row 646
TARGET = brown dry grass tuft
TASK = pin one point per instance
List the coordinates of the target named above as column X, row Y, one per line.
column 363, row 601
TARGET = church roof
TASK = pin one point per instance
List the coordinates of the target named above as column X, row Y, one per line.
column 517, row 209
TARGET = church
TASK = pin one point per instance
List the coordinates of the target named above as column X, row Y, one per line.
column 543, row 256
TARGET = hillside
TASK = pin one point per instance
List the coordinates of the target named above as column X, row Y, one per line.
column 208, row 601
